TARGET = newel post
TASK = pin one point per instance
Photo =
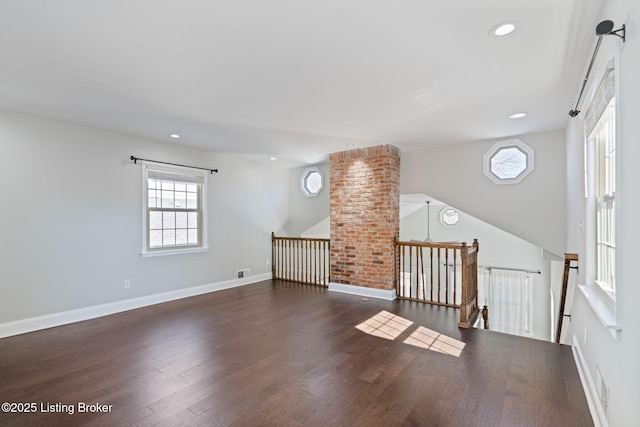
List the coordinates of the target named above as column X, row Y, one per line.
column 485, row 317
column 396, row 264
column 273, row 255
column 464, row 256
column 474, row 272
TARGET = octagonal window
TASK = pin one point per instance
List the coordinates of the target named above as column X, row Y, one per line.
column 508, row 162
column 311, row 182
column 449, row 216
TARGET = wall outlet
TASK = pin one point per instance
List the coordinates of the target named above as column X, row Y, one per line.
column 127, row 283
column 244, row 273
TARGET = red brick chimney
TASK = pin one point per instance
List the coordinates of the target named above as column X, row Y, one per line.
column 365, row 218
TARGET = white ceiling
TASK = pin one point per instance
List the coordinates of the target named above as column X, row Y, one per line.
column 297, row 79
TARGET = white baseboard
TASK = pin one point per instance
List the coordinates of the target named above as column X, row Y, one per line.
column 363, row 291
column 65, row 317
column 597, row 413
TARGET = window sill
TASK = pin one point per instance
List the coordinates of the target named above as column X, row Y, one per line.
column 145, row 254
column 601, row 305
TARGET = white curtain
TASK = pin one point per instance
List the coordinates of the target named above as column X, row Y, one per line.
column 509, row 301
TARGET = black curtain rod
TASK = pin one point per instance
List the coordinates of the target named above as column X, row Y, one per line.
column 135, row 160
column 605, row 28
column 574, row 112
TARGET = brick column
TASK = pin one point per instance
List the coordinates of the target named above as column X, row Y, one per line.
column 365, row 216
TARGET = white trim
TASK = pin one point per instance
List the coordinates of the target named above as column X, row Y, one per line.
column 363, row 291
column 65, row 317
column 597, row 414
column 601, row 305
column 178, row 251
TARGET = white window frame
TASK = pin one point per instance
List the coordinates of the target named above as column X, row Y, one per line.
column 189, row 175
column 444, row 211
column 502, row 145
column 601, row 297
column 600, row 114
column 604, row 202
column 303, row 181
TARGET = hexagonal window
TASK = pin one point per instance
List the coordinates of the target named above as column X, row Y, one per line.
column 508, row 162
column 449, row 216
column 311, row 182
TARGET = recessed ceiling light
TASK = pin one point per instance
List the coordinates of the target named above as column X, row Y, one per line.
column 273, row 158
column 518, row 115
column 502, row 30
column 174, row 136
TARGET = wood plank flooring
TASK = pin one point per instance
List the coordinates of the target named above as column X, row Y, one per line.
column 275, row 353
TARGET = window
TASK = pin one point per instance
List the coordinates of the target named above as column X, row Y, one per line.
column 509, row 297
column 449, row 217
column 605, row 197
column 601, row 186
column 173, row 211
column 311, row 182
column 508, row 162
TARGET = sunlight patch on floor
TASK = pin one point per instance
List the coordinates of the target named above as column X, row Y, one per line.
column 390, row 326
column 385, row 325
column 435, row 341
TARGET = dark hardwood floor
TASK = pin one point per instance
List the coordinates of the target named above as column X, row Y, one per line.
column 275, row 353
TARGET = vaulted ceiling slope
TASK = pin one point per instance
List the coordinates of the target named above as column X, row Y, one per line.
column 296, row 79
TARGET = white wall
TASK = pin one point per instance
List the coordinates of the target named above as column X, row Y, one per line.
column 70, row 222
column 497, row 249
column 307, row 211
column 534, row 210
column 617, row 358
